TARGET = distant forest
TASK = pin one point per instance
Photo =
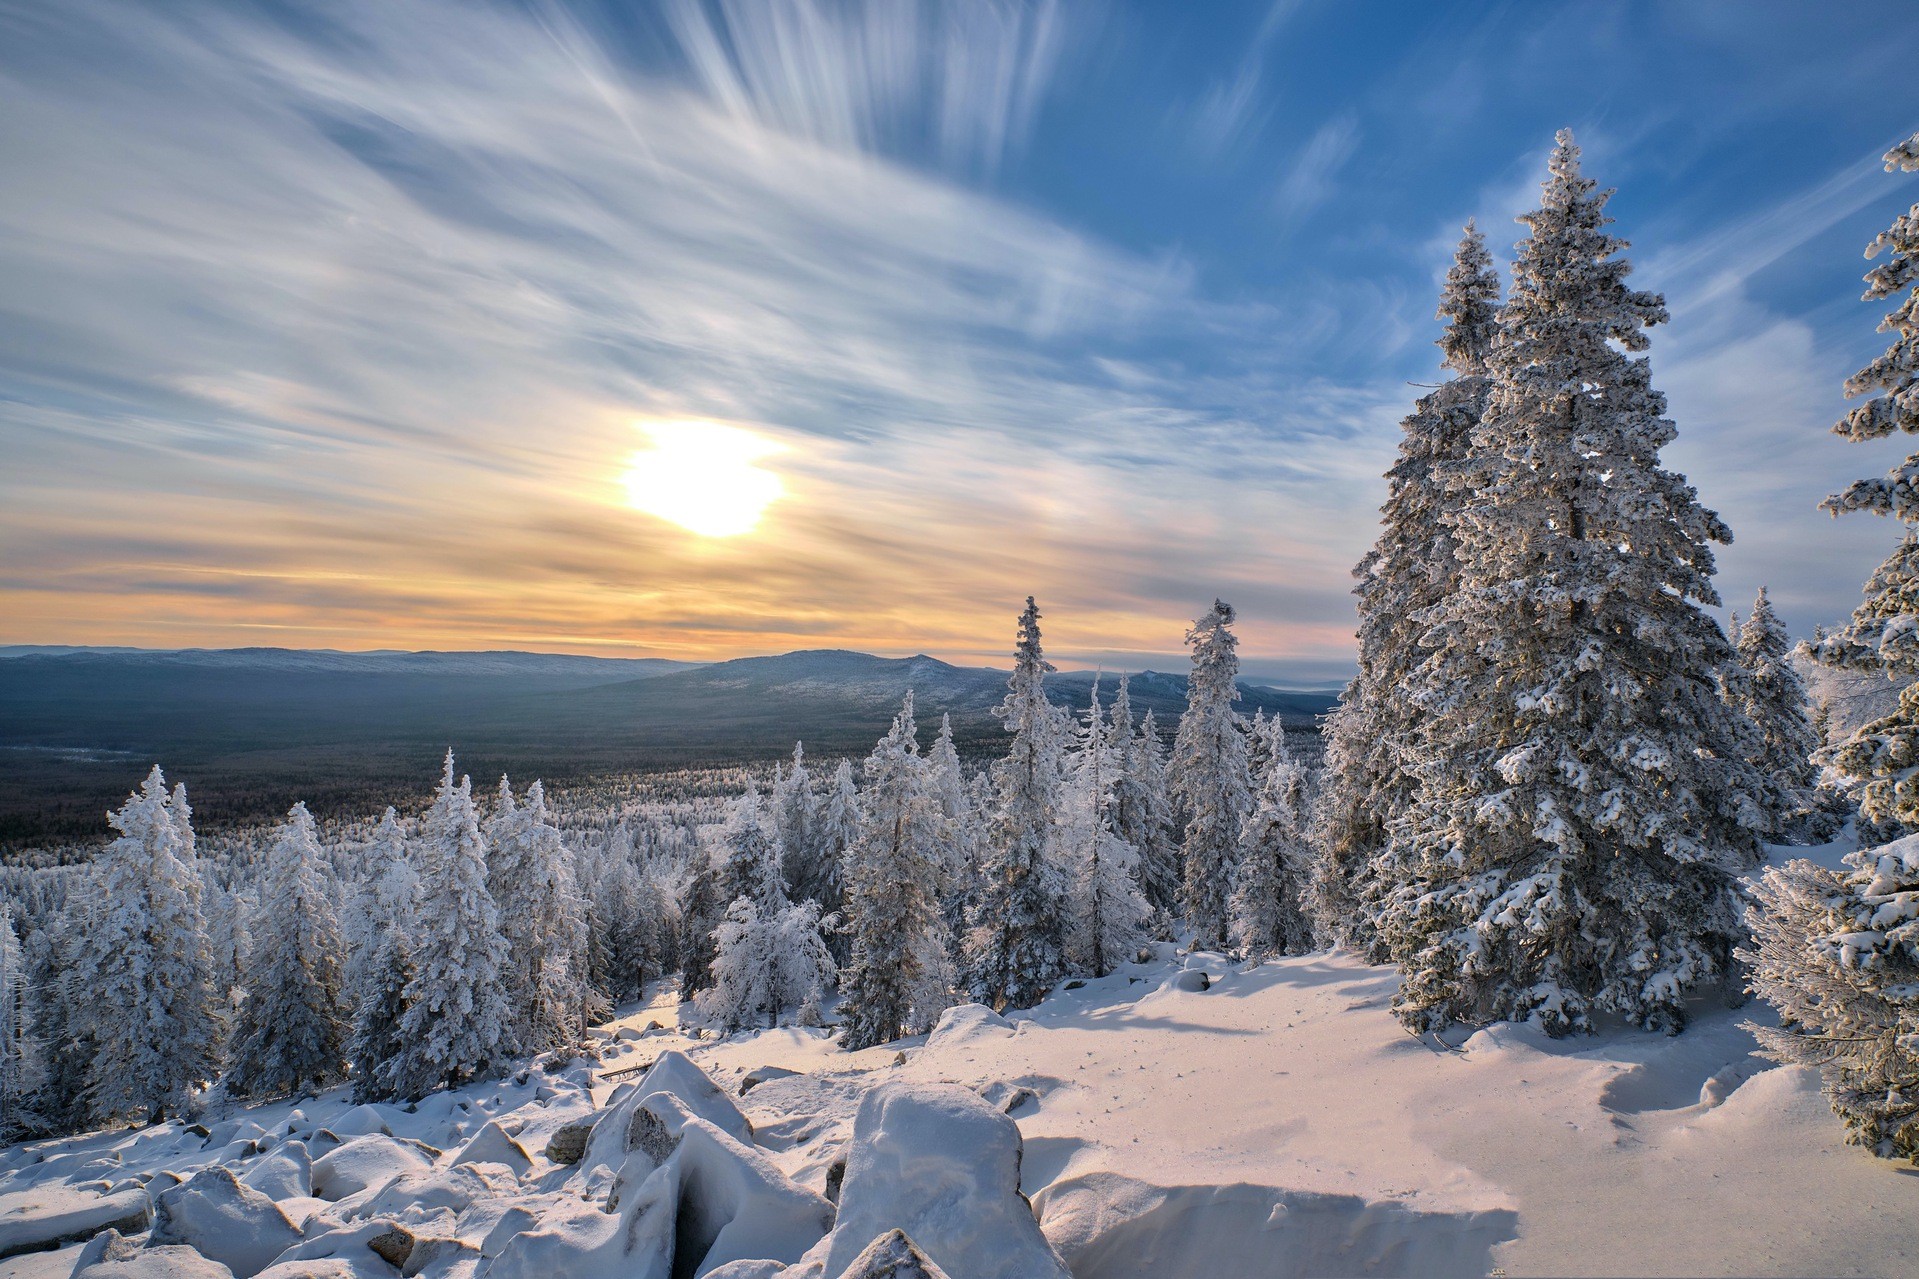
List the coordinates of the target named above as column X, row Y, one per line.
column 248, row 729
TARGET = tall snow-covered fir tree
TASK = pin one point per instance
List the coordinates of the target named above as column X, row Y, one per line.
column 1015, row 945
column 1275, row 858
column 900, row 977
column 795, row 805
column 1106, row 914
column 768, row 954
column 1142, row 812
column 152, row 1011
column 456, row 1013
column 1884, row 632
column 837, row 826
column 384, row 972
column 1208, row 778
column 946, row 779
column 17, row 1048
column 1370, row 735
column 1837, row 953
column 1584, row 798
column 1774, row 698
column 60, row 960
column 530, row 875
column 293, row 1028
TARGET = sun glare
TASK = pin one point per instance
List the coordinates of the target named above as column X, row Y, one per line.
column 704, row 477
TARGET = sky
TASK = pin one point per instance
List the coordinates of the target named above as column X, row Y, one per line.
column 701, row 330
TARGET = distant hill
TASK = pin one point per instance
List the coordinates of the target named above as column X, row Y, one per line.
column 252, row 730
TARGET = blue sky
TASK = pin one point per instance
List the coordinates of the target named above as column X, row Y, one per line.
column 340, row 324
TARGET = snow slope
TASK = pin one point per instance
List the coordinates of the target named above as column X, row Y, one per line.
column 1277, row 1122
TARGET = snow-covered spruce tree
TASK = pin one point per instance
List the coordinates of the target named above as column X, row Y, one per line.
column 1142, row 813
column 946, row 779
column 838, row 825
column 1107, row 916
column 764, row 964
column 1884, row 754
column 17, row 1049
column 62, row 994
column 1209, row 780
column 1410, row 568
column 1774, row 698
column 1275, row 859
column 530, row 875
column 796, row 814
column 456, row 1011
column 292, row 1031
column 1015, row 942
column 754, row 859
column 900, row 977
column 1584, row 799
column 229, row 940
column 384, row 972
column 152, row 1011
column 1837, row 953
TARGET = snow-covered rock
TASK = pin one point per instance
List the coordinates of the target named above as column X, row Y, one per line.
column 966, row 1022
column 233, row 1224
column 736, row 1204
column 567, row 1145
column 286, row 1172
column 109, row 1256
column 363, row 1163
column 584, row 1241
column 360, row 1121
column 47, row 1216
column 491, row 1145
column 893, row 1256
column 763, row 1074
column 939, row 1163
column 638, row 1119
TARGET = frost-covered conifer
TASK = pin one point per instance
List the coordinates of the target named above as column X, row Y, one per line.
column 946, row 779
column 900, row 977
column 1015, row 942
column 1411, row 567
column 456, row 1011
column 796, row 815
column 385, row 970
column 1275, row 859
column 1837, row 953
column 1884, row 632
column 18, row 1057
column 837, row 828
column 1106, row 913
column 61, row 994
column 531, row 877
column 1209, row 780
column 768, row 957
column 1774, row 698
column 152, row 1011
column 292, row 1031
column 1142, row 808
column 754, row 860
column 1584, row 796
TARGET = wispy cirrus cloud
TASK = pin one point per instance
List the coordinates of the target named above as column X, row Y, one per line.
column 360, row 312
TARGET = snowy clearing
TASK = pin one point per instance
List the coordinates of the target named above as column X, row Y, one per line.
column 1277, row 1122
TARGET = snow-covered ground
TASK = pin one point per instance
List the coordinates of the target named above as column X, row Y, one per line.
column 1270, row 1120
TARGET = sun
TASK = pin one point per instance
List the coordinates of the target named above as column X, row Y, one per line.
column 704, row 477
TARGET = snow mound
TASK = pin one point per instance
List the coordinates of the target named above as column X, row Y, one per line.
column 285, row 1173
column 52, row 1215
column 583, row 1241
column 108, row 1256
column 1110, row 1226
column 232, row 1224
column 966, row 1023
column 363, row 1164
column 937, row 1162
column 491, row 1145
